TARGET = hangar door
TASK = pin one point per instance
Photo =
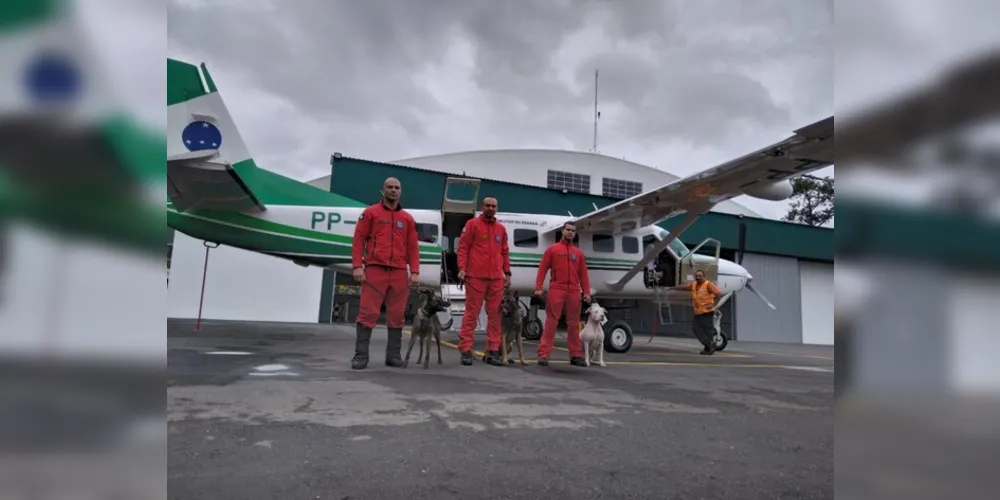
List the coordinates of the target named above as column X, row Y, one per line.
column 776, row 277
column 817, row 302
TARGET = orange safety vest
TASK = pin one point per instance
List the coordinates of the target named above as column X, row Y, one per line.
column 703, row 299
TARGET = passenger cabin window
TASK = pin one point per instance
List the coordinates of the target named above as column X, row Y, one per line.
column 604, row 243
column 525, row 238
column 427, row 233
column 630, row 244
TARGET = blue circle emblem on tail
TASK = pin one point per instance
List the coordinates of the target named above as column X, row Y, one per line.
column 53, row 77
column 201, row 135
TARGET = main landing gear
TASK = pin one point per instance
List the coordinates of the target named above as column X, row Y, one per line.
column 617, row 333
column 617, row 337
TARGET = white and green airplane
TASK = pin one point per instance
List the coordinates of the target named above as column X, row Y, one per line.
column 218, row 194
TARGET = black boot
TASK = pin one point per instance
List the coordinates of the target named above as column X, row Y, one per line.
column 392, row 348
column 577, row 361
column 493, row 358
column 360, row 360
column 467, row 357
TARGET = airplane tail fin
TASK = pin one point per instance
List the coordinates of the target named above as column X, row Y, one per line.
column 198, row 119
column 209, row 164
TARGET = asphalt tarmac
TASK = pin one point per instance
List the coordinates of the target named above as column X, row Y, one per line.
column 273, row 411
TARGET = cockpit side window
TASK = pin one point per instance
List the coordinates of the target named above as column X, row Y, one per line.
column 677, row 245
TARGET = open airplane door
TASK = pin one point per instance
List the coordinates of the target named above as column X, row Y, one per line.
column 687, row 265
column 461, row 196
column 458, row 205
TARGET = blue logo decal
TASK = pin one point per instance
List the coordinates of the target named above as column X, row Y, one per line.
column 399, row 224
column 201, row 135
column 497, row 237
column 53, row 77
column 572, row 257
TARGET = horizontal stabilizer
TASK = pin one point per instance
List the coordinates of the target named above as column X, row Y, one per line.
column 194, row 182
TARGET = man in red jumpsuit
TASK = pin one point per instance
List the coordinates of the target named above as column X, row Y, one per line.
column 484, row 266
column 385, row 243
column 570, row 281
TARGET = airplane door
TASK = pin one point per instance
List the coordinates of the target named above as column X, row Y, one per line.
column 689, row 264
column 459, row 203
column 460, row 196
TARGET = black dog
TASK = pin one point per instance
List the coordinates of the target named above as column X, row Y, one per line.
column 425, row 325
column 511, row 326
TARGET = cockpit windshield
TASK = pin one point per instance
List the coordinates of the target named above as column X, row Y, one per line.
column 677, row 245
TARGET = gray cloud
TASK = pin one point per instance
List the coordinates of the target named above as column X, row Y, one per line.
column 693, row 81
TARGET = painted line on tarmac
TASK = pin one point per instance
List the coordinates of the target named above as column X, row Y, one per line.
column 810, row 368
column 787, row 354
column 718, row 354
column 479, row 354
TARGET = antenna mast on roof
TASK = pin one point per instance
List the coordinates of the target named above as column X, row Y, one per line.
column 597, row 114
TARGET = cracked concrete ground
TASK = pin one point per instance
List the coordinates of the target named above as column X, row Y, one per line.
column 274, row 411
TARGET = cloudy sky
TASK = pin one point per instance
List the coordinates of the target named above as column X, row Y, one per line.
column 683, row 84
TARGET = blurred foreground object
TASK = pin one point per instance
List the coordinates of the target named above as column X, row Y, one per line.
column 82, row 226
column 71, row 159
column 964, row 95
column 918, row 252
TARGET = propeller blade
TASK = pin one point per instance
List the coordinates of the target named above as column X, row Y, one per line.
column 742, row 243
column 755, row 292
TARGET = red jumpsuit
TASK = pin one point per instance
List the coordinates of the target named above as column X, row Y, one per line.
column 483, row 255
column 385, row 241
column 569, row 283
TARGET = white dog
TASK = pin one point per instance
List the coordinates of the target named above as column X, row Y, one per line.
column 592, row 335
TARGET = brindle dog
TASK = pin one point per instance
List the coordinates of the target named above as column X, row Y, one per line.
column 511, row 326
column 426, row 325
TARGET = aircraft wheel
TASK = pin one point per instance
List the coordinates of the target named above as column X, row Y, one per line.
column 721, row 341
column 533, row 330
column 617, row 337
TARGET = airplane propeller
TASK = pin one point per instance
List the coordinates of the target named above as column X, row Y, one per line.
column 739, row 260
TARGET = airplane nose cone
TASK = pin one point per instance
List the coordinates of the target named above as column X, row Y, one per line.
column 734, row 269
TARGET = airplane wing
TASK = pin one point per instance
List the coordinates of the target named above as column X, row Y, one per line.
column 810, row 148
column 195, row 181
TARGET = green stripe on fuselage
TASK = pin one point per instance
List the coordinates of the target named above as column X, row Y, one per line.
column 253, row 233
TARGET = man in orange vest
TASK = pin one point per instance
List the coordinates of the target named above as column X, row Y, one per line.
column 703, row 295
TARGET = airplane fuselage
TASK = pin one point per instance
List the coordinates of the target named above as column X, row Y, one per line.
column 322, row 236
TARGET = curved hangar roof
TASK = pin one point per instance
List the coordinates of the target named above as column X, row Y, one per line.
column 571, row 170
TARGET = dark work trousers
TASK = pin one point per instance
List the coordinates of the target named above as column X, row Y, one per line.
column 704, row 328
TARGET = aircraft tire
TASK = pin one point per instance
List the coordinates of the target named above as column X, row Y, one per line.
column 617, row 337
column 532, row 330
column 721, row 346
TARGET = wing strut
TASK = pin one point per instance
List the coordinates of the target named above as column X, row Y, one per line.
column 657, row 248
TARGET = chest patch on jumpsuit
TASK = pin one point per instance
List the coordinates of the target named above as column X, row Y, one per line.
column 496, row 237
column 399, row 224
column 572, row 257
